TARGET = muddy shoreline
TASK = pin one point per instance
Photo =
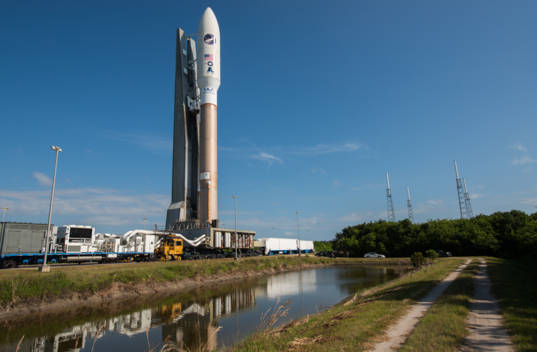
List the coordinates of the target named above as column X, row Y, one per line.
column 122, row 295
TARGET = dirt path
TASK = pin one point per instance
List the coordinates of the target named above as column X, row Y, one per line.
column 484, row 321
column 397, row 335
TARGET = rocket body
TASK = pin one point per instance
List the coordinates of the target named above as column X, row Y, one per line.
column 208, row 65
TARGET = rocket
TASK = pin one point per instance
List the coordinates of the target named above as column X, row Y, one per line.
column 208, row 71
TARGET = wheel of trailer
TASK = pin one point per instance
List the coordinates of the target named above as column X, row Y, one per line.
column 177, row 257
column 10, row 264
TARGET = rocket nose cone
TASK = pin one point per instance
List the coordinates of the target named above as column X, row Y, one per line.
column 208, row 16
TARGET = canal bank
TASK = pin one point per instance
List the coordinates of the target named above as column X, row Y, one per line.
column 190, row 319
column 26, row 291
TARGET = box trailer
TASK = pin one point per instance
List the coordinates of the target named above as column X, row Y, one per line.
column 271, row 246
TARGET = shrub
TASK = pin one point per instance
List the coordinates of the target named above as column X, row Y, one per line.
column 417, row 259
column 431, row 254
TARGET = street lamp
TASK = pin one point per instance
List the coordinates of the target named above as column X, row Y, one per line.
column 45, row 267
column 273, row 232
column 236, row 238
column 145, row 219
column 4, row 217
column 298, row 225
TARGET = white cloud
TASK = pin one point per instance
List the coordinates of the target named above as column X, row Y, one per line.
column 290, row 150
column 359, row 217
column 369, row 187
column 524, row 160
column 319, row 170
column 520, row 147
column 289, row 234
column 43, row 179
column 337, row 183
column 88, row 205
column 435, row 201
column 268, row 158
column 327, row 149
column 146, row 141
column 477, row 195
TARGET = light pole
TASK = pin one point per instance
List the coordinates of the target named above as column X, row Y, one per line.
column 45, row 267
column 4, row 217
column 298, row 225
column 273, row 232
column 236, row 238
column 145, row 219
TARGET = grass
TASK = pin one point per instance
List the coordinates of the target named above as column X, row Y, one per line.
column 443, row 328
column 18, row 286
column 357, row 324
column 514, row 284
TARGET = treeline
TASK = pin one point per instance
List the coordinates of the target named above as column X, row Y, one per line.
column 322, row 246
column 503, row 234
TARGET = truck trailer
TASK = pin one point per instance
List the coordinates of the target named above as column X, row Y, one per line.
column 271, row 246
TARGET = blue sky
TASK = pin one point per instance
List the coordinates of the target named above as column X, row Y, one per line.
column 319, row 99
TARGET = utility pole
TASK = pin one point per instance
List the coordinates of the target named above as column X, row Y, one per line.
column 45, row 267
column 236, row 238
column 298, row 225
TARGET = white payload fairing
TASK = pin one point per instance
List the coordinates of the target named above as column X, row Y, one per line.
column 208, row 64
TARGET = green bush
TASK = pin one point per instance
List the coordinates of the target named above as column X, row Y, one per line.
column 431, row 254
column 417, row 259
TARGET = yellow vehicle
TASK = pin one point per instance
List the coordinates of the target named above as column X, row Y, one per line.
column 170, row 249
column 170, row 312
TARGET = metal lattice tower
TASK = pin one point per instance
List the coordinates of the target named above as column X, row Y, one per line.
column 409, row 206
column 469, row 211
column 391, row 212
column 460, row 192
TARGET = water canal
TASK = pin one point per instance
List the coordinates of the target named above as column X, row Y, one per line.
column 191, row 319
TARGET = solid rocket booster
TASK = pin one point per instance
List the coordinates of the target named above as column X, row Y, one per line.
column 208, row 61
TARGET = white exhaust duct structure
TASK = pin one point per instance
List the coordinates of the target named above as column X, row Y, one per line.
column 193, row 243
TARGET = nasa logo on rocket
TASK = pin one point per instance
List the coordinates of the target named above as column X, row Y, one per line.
column 209, row 39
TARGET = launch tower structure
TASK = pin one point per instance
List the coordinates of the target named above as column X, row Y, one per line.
column 391, row 211
column 185, row 170
column 409, row 206
column 469, row 211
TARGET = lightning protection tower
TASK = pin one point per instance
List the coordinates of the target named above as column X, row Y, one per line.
column 469, row 211
column 391, row 212
column 409, row 205
column 461, row 194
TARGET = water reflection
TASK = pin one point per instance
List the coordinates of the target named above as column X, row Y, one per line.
column 194, row 322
